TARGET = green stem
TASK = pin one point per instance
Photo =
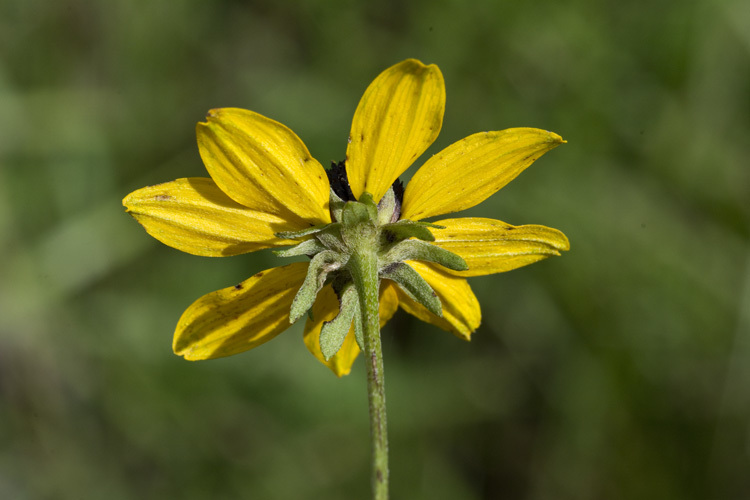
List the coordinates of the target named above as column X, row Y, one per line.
column 364, row 269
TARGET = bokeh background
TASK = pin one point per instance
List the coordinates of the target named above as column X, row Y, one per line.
column 619, row 371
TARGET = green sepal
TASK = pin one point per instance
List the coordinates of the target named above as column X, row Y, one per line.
column 387, row 208
column 405, row 229
column 331, row 238
column 334, row 332
column 420, row 250
column 295, row 235
column 336, row 206
column 342, row 285
column 355, row 213
column 357, row 223
column 320, row 265
column 369, row 203
column 423, row 223
column 414, row 285
column 307, row 247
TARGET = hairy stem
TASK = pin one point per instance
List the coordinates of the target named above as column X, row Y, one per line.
column 363, row 265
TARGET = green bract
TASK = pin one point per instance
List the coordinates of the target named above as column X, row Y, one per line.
column 364, row 227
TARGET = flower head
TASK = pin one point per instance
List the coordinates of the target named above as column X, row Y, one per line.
column 267, row 191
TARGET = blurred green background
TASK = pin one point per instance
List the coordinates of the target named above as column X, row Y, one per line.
column 619, row 371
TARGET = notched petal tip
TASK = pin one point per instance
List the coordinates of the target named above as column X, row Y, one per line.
column 563, row 243
column 415, row 65
column 556, row 138
column 212, row 113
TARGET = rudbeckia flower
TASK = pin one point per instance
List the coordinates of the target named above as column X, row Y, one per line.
column 266, row 191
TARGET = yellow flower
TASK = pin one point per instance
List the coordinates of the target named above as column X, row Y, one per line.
column 267, row 191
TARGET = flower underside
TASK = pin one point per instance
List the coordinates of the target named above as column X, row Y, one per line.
column 357, row 226
column 265, row 190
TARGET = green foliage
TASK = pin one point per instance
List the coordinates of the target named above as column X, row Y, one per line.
column 334, row 332
column 414, row 285
column 421, row 250
column 320, row 266
column 409, row 229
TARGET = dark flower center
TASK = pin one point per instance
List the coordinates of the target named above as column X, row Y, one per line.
column 339, row 182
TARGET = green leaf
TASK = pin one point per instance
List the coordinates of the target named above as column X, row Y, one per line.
column 317, row 272
column 420, row 250
column 336, row 206
column 307, row 247
column 414, row 285
column 331, row 238
column 294, row 235
column 405, row 229
column 425, row 224
column 334, row 332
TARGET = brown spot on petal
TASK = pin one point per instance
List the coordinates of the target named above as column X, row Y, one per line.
column 238, row 286
column 162, row 197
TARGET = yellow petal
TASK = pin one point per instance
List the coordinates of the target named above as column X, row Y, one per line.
column 461, row 312
column 490, row 246
column 238, row 318
column 397, row 119
column 388, row 302
column 326, row 308
column 195, row 216
column 473, row 169
column 262, row 164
